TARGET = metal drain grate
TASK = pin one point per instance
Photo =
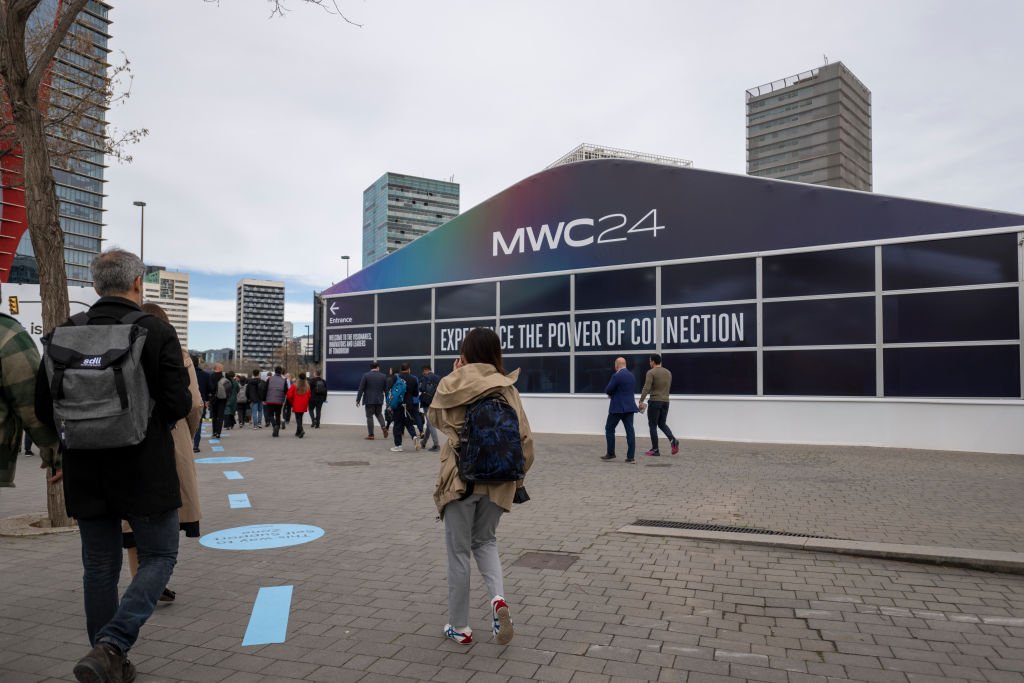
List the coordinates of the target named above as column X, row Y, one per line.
column 347, row 463
column 664, row 524
column 658, row 464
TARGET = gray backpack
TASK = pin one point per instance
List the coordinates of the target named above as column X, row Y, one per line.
column 100, row 396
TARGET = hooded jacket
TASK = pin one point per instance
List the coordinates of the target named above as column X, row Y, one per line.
column 448, row 413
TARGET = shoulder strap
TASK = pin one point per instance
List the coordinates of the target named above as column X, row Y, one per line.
column 133, row 317
column 80, row 319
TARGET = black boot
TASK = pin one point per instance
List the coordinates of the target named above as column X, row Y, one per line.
column 104, row 663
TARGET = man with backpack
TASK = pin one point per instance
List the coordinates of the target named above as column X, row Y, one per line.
column 220, row 389
column 114, row 380
column 277, row 389
column 317, row 398
column 403, row 399
column 428, row 387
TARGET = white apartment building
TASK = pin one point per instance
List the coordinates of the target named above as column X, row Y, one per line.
column 169, row 289
column 259, row 319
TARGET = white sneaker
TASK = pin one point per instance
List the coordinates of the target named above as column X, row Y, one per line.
column 397, row 449
column 462, row 636
column 501, row 621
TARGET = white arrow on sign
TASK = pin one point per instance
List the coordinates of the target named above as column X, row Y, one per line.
column 334, row 308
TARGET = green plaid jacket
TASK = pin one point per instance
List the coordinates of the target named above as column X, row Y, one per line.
column 19, row 363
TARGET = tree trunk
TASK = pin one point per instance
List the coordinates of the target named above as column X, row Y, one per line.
column 43, row 212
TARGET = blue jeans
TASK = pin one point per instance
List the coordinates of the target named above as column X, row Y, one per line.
column 609, row 433
column 156, row 537
column 257, row 413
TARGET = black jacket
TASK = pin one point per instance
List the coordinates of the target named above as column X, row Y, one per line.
column 372, row 388
column 253, row 390
column 138, row 479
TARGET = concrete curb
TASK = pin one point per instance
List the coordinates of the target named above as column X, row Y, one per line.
column 986, row 560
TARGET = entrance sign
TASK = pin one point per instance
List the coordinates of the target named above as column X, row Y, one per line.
column 261, row 536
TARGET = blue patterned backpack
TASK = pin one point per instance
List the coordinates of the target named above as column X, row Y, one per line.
column 490, row 447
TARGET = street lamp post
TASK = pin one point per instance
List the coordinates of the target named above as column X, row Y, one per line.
column 345, row 259
column 142, row 230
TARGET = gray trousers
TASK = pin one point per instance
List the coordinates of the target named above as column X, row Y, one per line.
column 469, row 527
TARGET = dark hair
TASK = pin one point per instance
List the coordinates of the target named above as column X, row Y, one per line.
column 195, row 361
column 426, row 368
column 405, row 367
column 230, row 374
column 374, row 365
column 156, row 311
column 656, row 358
column 482, row 345
column 256, row 373
column 278, row 370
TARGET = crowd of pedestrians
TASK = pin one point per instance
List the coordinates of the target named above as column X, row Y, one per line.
column 399, row 402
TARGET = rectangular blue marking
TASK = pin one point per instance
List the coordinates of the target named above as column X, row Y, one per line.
column 217, row 449
column 233, row 474
column 239, row 500
column 213, row 441
column 269, row 620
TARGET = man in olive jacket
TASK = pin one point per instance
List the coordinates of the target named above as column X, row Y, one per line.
column 136, row 483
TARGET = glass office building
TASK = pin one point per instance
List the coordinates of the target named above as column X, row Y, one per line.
column 259, row 320
column 398, row 208
column 785, row 312
column 79, row 69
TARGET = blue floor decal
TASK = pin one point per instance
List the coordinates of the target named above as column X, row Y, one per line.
column 261, row 536
column 269, row 620
column 239, row 500
column 233, row 474
column 222, row 460
column 217, row 449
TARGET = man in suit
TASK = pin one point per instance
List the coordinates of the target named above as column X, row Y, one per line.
column 621, row 408
column 372, row 388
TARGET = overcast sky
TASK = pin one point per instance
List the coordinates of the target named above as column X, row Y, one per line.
column 265, row 132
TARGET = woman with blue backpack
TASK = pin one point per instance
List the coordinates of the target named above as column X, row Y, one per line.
column 484, row 461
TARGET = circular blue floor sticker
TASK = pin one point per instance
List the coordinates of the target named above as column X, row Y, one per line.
column 261, row 536
column 222, row 460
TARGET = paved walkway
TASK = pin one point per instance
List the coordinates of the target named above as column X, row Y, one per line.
column 370, row 598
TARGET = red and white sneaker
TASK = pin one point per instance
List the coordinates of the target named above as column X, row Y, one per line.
column 501, row 621
column 462, row 636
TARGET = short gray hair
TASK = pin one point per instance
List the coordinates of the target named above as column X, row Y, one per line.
column 114, row 271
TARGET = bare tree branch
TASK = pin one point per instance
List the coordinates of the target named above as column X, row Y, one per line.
column 42, row 64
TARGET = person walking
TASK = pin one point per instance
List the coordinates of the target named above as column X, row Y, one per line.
column 19, row 364
column 621, row 391
column 471, row 513
column 318, row 389
column 372, row 388
column 220, row 390
column 203, row 378
column 286, row 408
column 404, row 401
column 428, row 388
column 253, row 393
column 231, row 406
column 298, row 398
column 138, row 483
column 242, row 400
column 657, row 385
column 389, row 414
column 277, row 390
column 189, row 513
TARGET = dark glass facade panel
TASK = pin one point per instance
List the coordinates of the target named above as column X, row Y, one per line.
column 594, row 372
column 616, row 289
column 535, row 295
column 627, row 330
column 832, row 372
column 350, row 310
column 350, row 342
column 709, row 327
column 414, row 364
column 540, row 374
column 838, row 271
column 448, row 336
column 693, row 283
column 404, row 340
column 722, row 373
column 972, row 315
column 820, row 321
column 344, row 375
column 548, row 333
column 465, row 301
column 953, row 372
column 397, row 307
column 950, row 263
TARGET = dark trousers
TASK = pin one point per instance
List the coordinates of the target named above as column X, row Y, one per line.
column 273, row 412
column 298, row 423
column 199, row 432
column 156, row 537
column 286, row 412
column 657, row 414
column 373, row 411
column 403, row 421
column 609, row 433
column 314, row 412
column 218, row 415
column 243, row 408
